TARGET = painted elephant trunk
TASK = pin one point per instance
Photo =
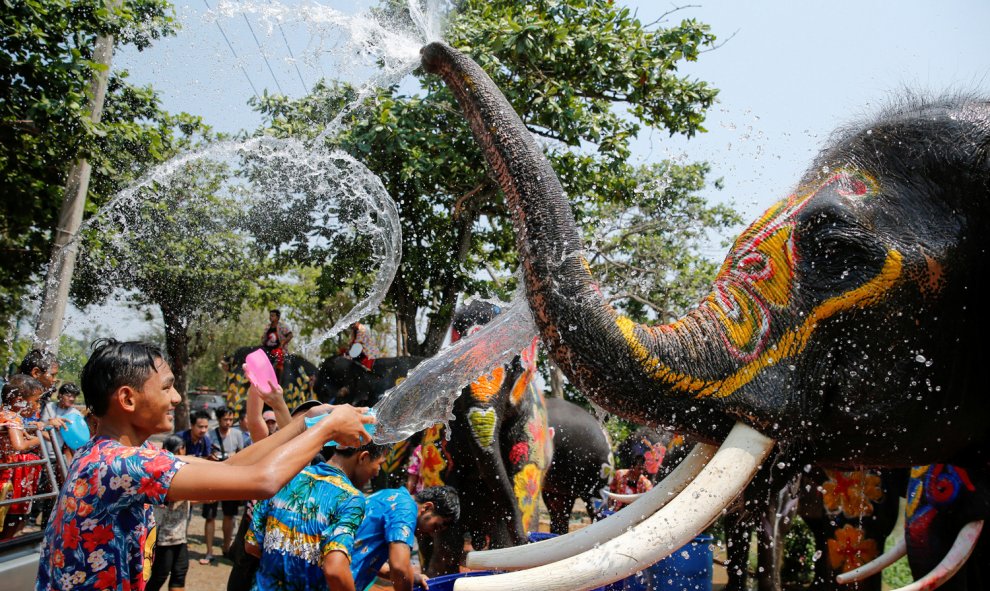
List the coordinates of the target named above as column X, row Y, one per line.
column 575, row 321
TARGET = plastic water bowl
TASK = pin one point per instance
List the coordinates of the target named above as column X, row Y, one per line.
column 76, row 433
column 446, row 582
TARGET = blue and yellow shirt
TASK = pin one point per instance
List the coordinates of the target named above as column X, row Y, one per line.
column 318, row 512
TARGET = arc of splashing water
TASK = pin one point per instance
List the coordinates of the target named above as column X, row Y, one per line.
column 426, row 397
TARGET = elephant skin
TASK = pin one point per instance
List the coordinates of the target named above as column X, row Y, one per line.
column 296, row 380
column 341, row 379
column 582, row 462
column 846, row 324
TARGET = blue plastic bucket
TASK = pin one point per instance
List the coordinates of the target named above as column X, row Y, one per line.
column 687, row 569
column 446, row 582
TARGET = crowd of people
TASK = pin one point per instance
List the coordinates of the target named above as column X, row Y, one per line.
column 121, row 516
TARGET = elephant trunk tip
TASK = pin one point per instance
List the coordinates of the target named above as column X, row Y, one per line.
column 433, row 53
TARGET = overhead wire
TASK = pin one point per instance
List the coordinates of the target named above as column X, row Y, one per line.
column 263, row 56
column 257, row 95
column 291, row 55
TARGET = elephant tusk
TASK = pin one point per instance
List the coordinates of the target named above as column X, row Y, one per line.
column 622, row 498
column 898, row 551
column 953, row 561
column 565, row 546
column 701, row 502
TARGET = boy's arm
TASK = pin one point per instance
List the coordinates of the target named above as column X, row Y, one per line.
column 400, row 566
column 337, row 571
column 263, row 471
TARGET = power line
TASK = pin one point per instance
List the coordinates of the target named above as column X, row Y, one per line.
column 237, row 59
column 291, row 56
column 262, row 52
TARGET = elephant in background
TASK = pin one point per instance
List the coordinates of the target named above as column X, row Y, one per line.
column 341, row 379
column 582, row 462
column 298, row 375
column 845, row 326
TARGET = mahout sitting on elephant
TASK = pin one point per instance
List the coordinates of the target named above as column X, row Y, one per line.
column 845, row 328
column 296, row 379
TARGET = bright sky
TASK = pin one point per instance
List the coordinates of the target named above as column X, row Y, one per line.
column 789, row 73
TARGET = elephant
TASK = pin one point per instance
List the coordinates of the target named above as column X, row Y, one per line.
column 496, row 453
column 582, row 462
column 845, row 328
column 363, row 387
column 296, row 380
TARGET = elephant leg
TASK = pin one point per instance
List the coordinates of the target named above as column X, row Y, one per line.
column 775, row 523
column 559, row 505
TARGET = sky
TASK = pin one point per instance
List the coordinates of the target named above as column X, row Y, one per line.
column 788, row 72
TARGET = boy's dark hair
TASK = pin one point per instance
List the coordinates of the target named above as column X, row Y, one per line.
column 68, row 388
column 173, row 443
column 43, row 360
column 277, row 313
column 18, row 386
column 199, row 414
column 445, row 501
column 375, row 450
column 222, row 412
column 114, row 364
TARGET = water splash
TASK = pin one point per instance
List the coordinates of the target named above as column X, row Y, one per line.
column 426, row 397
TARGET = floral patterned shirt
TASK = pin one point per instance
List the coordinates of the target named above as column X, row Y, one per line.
column 318, row 512
column 102, row 532
column 391, row 517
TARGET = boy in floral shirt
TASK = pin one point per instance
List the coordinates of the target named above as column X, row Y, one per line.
column 102, row 532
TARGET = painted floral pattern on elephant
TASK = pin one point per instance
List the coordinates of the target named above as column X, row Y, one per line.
column 850, row 548
column 527, row 489
column 851, row 493
column 432, row 461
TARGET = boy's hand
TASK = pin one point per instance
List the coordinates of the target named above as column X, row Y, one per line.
column 269, row 397
column 421, row 580
column 346, row 425
column 57, row 423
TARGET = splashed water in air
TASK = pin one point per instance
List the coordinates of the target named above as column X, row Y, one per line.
column 426, row 397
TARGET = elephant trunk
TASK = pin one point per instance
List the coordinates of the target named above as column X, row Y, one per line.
column 606, row 355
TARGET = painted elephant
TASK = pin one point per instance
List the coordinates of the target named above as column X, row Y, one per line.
column 845, row 328
column 342, row 379
column 296, row 380
column 849, row 513
column 582, row 462
column 496, row 453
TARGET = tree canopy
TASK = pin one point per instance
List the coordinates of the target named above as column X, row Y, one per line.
column 45, row 69
column 585, row 77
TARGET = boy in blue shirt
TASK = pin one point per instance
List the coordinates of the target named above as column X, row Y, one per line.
column 392, row 519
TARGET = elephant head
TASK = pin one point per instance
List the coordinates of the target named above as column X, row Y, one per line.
column 845, row 322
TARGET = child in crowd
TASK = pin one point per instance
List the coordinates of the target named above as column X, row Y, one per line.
column 102, row 532
column 21, row 397
column 171, row 550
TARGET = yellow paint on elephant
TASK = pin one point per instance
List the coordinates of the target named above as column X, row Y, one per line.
column 395, row 457
column 432, row 462
column 486, row 387
column 526, row 485
column 790, row 344
column 483, row 425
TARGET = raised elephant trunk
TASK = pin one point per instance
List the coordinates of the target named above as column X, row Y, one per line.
column 603, row 353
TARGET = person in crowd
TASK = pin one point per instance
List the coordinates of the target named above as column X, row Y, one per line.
column 362, row 347
column 242, row 424
column 101, row 534
column 197, row 436
column 414, row 479
column 303, row 536
column 42, row 366
column 171, row 549
column 271, row 422
column 226, row 441
column 20, row 438
column 276, row 340
column 393, row 518
column 634, row 479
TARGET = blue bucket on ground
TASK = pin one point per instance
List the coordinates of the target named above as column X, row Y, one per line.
column 446, row 582
column 687, row 569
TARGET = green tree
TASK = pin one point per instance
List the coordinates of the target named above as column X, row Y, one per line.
column 45, row 46
column 584, row 75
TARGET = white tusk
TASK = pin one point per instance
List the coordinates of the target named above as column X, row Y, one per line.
column 622, row 498
column 704, row 499
column 953, row 561
column 565, row 546
column 896, row 552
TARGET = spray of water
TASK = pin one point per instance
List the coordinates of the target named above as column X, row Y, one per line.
column 426, row 397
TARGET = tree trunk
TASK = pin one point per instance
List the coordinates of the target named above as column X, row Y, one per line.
column 177, row 347
column 556, row 381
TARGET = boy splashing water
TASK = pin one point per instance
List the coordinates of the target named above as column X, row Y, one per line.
column 102, row 532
